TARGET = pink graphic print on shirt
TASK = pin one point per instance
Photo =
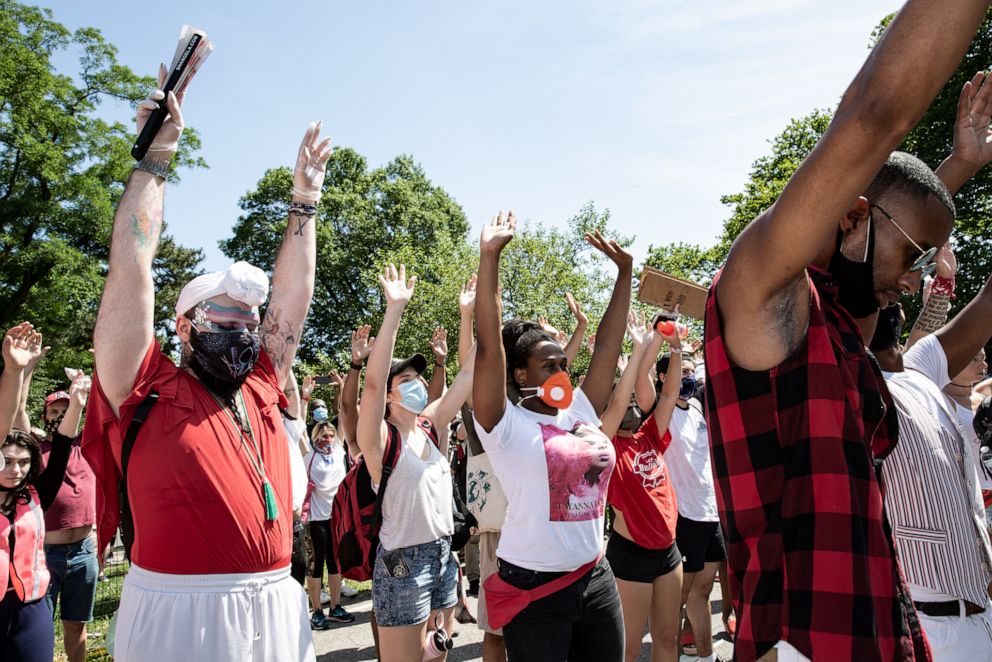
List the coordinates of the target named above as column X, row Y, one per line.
column 579, row 466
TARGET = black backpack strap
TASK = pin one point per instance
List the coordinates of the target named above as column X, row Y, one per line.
column 127, row 520
column 390, row 457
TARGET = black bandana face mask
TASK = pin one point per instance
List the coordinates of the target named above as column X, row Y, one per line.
column 856, row 280
column 223, row 361
column 888, row 330
column 52, row 426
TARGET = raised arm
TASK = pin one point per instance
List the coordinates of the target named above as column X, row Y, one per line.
column 20, row 345
column 442, row 411
column 763, row 282
column 972, row 150
column 581, row 326
column 293, row 276
column 673, row 383
column 968, row 332
column 79, row 392
column 644, row 389
column 371, row 424
column 489, row 386
column 609, row 336
column 124, row 322
column 439, row 377
column 466, row 309
column 936, row 304
column 21, row 420
column 641, row 337
column 361, row 346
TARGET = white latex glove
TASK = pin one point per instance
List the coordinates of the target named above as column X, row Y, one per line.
column 311, row 164
column 167, row 140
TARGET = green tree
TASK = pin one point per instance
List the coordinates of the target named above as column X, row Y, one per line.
column 62, row 170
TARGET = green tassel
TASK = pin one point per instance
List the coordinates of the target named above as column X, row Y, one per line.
column 271, row 509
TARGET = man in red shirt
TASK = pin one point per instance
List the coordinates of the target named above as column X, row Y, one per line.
column 797, row 410
column 209, row 477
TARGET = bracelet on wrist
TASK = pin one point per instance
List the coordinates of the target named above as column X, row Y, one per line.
column 356, row 366
column 305, row 398
column 302, row 209
column 305, row 195
column 942, row 285
column 439, row 365
column 675, row 350
column 157, row 167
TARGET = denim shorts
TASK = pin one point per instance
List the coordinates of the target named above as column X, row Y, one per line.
column 408, row 583
column 74, row 569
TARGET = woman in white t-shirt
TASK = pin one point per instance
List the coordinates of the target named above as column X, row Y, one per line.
column 414, row 578
column 554, row 464
column 326, row 468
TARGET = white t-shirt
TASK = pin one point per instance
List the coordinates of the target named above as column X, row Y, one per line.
column 927, row 358
column 326, row 472
column 295, row 428
column 555, row 471
column 688, row 460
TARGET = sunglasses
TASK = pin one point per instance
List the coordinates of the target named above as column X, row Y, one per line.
column 924, row 262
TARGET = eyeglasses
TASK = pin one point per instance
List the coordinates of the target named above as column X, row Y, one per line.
column 925, row 261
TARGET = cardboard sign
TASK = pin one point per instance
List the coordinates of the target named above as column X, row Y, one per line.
column 660, row 289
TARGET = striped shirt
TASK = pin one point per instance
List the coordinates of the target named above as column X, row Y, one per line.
column 931, row 486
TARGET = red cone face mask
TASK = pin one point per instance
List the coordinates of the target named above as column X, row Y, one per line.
column 556, row 391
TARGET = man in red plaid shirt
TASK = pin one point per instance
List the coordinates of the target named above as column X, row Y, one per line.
column 798, row 412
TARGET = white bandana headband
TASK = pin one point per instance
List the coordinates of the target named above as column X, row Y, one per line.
column 242, row 282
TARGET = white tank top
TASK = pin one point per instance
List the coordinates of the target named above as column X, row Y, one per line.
column 417, row 506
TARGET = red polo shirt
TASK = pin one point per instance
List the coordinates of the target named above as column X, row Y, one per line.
column 196, row 498
column 640, row 487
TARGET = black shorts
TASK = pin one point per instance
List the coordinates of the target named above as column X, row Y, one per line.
column 700, row 542
column 320, row 551
column 633, row 563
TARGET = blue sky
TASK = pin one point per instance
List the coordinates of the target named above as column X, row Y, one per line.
column 650, row 109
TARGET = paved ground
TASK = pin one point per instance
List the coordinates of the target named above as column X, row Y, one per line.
column 353, row 642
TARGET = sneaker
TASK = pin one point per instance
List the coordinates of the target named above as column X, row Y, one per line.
column 325, row 598
column 319, row 622
column 348, row 591
column 473, row 588
column 340, row 615
column 688, row 644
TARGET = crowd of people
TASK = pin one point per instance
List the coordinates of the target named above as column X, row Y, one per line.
column 833, row 472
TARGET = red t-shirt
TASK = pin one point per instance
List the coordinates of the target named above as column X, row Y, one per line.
column 640, row 488
column 196, row 499
column 75, row 504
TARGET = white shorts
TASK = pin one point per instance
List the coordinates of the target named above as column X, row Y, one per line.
column 959, row 637
column 251, row 617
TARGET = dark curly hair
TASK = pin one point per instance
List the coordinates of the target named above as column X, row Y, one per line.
column 28, row 441
column 520, row 337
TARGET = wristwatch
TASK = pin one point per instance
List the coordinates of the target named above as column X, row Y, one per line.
column 158, row 167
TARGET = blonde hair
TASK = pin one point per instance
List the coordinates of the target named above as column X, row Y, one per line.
column 319, row 429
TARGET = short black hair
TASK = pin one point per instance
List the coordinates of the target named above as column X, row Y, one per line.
column 908, row 174
column 520, row 337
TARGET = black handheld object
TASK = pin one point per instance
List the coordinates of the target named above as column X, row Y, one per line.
column 322, row 379
column 155, row 120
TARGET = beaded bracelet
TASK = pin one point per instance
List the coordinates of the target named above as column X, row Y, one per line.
column 302, row 209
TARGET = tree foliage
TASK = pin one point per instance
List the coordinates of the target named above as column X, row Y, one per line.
column 62, row 170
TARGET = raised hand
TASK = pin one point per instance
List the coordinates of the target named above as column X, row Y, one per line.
column 311, row 164
column 611, row 249
column 947, row 263
column 167, row 140
column 637, row 329
column 79, row 390
column 439, row 345
column 591, row 343
column 466, row 300
column 576, row 311
column 21, row 346
column 395, row 286
column 336, row 379
column 622, row 363
column 307, row 387
column 972, row 138
column 361, row 343
column 498, row 233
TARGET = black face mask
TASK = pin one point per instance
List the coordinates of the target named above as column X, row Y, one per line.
column 631, row 419
column 856, row 280
column 688, row 387
column 223, row 361
column 888, row 330
column 52, row 426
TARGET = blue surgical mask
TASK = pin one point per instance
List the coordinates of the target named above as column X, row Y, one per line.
column 320, row 414
column 414, row 396
column 688, row 388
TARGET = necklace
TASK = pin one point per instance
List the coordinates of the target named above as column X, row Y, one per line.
column 268, row 494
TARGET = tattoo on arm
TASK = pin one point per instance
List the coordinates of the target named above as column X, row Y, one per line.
column 145, row 230
column 301, row 222
column 278, row 336
column 933, row 316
